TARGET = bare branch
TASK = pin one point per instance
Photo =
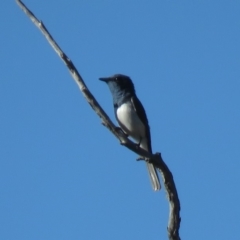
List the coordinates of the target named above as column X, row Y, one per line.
column 156, row 159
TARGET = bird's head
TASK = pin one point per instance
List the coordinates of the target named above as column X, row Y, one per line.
column 119, row 84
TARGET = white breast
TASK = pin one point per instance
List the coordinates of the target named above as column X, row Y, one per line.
column 130, row 122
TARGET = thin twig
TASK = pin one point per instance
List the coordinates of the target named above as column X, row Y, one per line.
column 156, row 159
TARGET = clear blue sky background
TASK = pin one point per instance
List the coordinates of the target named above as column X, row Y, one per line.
column 63, row 175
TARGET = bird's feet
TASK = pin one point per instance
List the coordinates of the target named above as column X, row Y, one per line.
column 118, row 129
column 140, row 140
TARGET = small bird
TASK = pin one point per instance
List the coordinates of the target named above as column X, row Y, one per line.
column 132, row 117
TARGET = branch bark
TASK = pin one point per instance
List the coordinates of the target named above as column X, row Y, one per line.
column 156, row 159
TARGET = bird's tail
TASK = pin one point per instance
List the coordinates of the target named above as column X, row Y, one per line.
column 153, row 177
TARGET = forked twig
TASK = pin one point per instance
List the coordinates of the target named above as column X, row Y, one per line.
column 156, row 159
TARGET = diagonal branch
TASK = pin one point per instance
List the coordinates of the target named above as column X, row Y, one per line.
column 156, row 159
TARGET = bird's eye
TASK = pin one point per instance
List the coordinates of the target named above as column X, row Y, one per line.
column 116, row 79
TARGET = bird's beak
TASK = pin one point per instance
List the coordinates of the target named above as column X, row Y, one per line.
column 104, row 79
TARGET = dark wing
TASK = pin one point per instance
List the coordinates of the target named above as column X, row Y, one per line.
column 139, row 109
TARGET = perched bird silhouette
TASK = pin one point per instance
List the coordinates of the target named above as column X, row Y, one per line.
column 132, row 117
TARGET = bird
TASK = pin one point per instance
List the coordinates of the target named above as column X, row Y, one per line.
column 131, row 117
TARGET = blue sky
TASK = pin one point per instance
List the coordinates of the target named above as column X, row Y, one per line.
column 63, row 175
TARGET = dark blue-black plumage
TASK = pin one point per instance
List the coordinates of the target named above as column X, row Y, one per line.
column 131, row 116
